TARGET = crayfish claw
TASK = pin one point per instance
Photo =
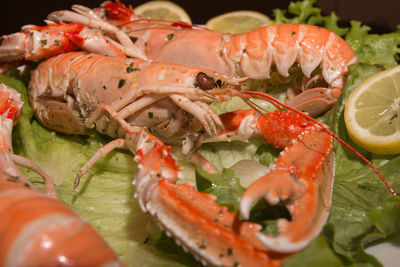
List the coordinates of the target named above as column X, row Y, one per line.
column 308, row 215
column 301, row 178
column 276, row 186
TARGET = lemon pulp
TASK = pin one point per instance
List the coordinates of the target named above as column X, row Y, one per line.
column 372, row 113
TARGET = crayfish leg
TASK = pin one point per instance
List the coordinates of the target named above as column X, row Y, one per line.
column 117, row 143
column 29, row 164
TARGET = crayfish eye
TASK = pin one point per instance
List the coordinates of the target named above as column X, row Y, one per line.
column 205, row 82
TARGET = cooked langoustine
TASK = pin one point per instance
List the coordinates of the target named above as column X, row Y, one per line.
column 123, row 97
column 251, row 54
column 36, row 229
column 155, row 95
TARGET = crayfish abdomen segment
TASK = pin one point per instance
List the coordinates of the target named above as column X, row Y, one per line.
column 59, row 117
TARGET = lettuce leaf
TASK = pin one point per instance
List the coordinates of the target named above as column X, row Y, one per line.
column 224, row 185
column 304, row 12
column 318, row 253
column 374, row 49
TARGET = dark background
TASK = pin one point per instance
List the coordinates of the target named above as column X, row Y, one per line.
column 382, row 15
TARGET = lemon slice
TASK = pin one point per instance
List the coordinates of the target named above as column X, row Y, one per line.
column 372, row 113
column 162, row 10
column 238, row 21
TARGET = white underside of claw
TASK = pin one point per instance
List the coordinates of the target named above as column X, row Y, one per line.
column 245, row 131
column 245, row 207
column 247, row 128
column 281, row 243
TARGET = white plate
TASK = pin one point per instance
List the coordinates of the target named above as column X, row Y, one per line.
column 387, row 253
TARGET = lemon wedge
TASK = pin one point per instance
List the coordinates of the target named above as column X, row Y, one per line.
column 162, row 10
column 372, row 113
column 238, row 21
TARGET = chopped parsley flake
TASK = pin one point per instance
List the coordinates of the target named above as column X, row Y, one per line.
column 170, row 36
column 121, row 83
column 133, row 39
column 130, row 68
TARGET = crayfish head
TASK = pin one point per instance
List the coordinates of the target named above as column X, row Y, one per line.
column 222, row 87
